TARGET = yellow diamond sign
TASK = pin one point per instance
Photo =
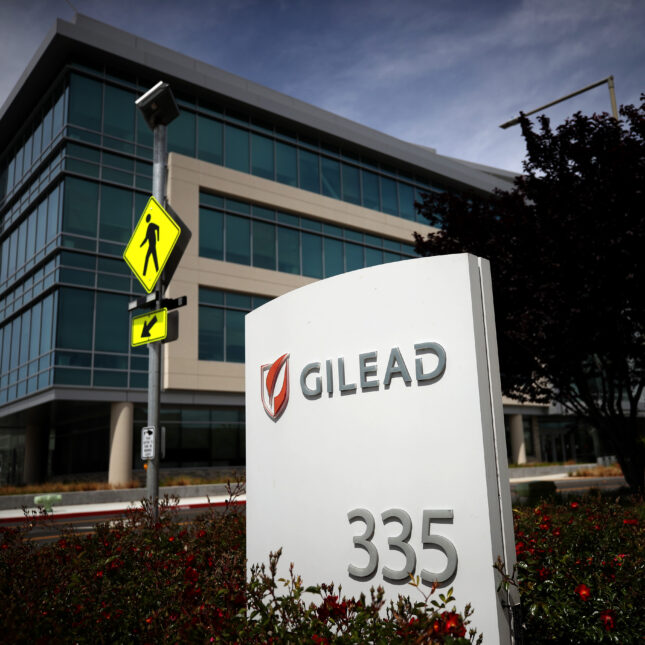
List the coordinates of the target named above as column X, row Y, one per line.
column 151, row 244
column 150, row 327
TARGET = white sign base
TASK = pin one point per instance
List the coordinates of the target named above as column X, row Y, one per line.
column 375, row 434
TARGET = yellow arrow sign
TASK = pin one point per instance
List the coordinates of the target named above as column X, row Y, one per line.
column 150, row 327
column 151, row 244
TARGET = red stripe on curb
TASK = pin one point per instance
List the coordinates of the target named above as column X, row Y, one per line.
column 67, row 516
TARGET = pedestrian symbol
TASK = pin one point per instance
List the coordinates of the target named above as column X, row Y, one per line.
column 151, row 244
column 149, row 328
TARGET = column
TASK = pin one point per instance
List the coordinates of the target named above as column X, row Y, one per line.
column 518, row 447
column 121, row 421
column 537, row 444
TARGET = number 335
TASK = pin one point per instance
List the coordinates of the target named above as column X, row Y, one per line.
column 400, row 543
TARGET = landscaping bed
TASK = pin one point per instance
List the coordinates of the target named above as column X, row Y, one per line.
column 580, row 571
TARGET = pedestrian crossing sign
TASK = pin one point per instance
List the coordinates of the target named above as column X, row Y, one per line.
column 151, row 244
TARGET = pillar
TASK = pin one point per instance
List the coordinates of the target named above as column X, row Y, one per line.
column 537, row 444
column 36, row 444
column 121, row 421
column 518, row 447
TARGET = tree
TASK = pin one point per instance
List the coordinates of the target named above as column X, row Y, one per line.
column 567, row 249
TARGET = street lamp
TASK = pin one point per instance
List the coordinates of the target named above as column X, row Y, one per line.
column 158, row 108
column 612, row 95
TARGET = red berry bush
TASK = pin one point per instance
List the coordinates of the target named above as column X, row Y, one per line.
column 581, row 571
column 140, row 581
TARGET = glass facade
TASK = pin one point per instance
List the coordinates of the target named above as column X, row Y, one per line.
column 200, row 436
column 245, row 233
column 73, row 182
column 221, row 323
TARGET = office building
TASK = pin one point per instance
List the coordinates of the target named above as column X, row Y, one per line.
column 277, row 194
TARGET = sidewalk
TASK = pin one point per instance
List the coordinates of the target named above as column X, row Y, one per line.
column 108, row 502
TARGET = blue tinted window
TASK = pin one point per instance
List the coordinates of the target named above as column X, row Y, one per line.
column 112, row 322
column 373, row 256
column 312, row 255
column 235, row 336
column 211, row 334
column 119, row 113
column 351, row 184
column 210, row 140
column 330, row 177
column 333, row 257
column 262, row 154
column 353, row 256
column 211, row 234
column 237, row 148
column 406, row 201
column 181, row 134
column 80, row 206
column 85, row 99
column 371, row 197
column 388, row 196
column 286, row 164
column 264, row 245
column 288, row 251
column 309, row 171
column 116, row 214
column 238, row 239
column 75, row 318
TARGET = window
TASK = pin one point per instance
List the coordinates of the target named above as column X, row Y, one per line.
column 309, row 171
column 75, row 318
column 80, row 207
column 116, row 214
column 211, row 234
column 181, row 134
column 351, row 184
column 209, row 140
column 237, row 148
column 221, row 323
column 85, row 98
column 286, row 162
column 112, row 323
column 286, row 242
column 262, row 154
column 119, row 113
column 264, row 245
column 330, row 177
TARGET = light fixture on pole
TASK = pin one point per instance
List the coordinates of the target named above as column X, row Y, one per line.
column 612, row 95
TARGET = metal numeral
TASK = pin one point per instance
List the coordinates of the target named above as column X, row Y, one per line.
column 400, row 543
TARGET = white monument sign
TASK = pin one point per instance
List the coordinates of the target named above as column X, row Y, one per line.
column 375, row 434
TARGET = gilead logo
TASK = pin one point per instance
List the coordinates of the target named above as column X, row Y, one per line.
column 329, row 375
column 275, row 386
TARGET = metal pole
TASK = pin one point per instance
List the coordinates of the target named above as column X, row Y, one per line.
column 160, row 154
column 609, row 80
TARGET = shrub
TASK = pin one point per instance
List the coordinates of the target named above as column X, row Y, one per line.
column 581, row 571
column 137, row 581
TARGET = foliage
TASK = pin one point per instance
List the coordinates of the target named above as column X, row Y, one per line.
column 137, row 581
column 581, row 571
column 566, row 251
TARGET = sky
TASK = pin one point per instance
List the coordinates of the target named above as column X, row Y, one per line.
column 439, row 73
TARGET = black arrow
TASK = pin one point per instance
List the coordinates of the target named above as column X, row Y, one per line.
column 147, row 326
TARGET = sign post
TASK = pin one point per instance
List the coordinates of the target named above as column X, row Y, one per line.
column 375, row 435
column 159, row 109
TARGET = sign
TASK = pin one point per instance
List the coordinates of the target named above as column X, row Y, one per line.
column 148, row 443
column 149, row 328
column 377, row 392
column 151, row 244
